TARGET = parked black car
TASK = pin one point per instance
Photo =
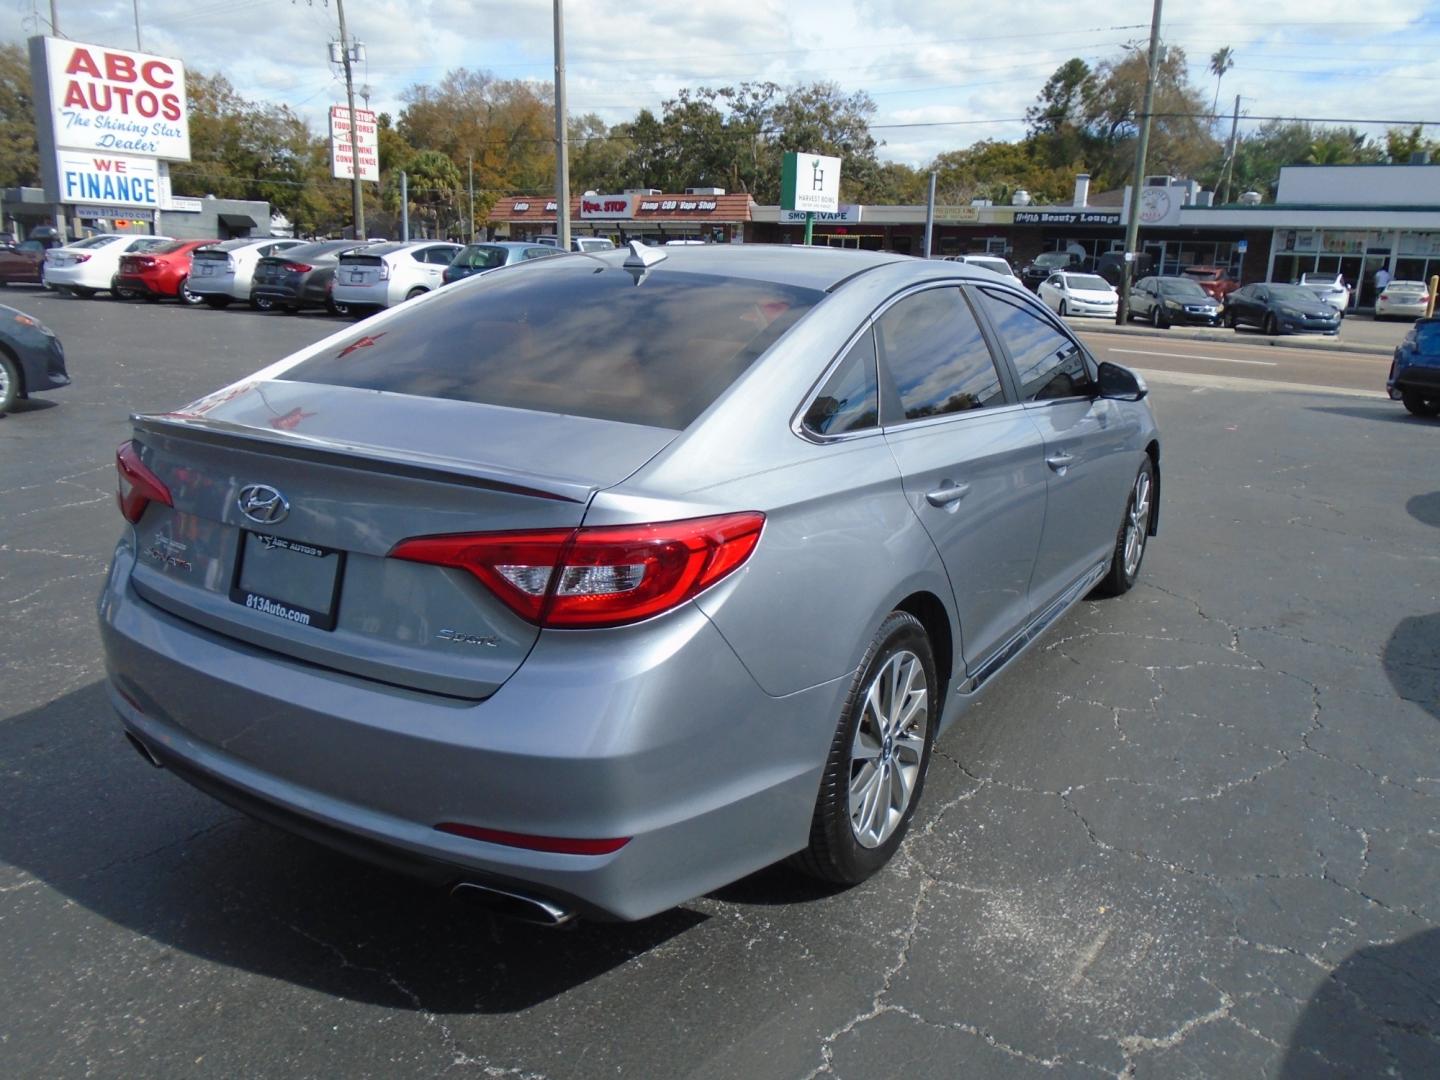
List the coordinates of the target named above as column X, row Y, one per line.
column 301, row 277
column 1111, row 267
column 31, row 358
column 1165, row 301
column 1280, row 309
column 1045, row 264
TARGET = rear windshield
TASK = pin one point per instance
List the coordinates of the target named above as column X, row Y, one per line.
column 314, row 251
column 97, row 241
column 575, row 336
column 170, row 247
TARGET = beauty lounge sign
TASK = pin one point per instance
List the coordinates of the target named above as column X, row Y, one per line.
column 113, row 101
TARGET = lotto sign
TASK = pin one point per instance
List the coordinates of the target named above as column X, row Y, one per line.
column 114, row 101
column 810, row 182
column 367, row 140
column 107, row 179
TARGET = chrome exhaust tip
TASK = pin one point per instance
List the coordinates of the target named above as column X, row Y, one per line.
column 143, row 750
column 512, row 905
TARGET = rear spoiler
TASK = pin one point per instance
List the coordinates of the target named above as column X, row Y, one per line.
column 381, row 459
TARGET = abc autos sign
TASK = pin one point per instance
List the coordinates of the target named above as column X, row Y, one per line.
column 115, row 102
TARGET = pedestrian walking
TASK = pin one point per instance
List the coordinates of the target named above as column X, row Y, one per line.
column 1382, row 278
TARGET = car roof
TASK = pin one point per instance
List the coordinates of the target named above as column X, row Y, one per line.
column 820, row 268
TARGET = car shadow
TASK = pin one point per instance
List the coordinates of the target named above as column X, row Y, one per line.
column 1377, row 1014
column 1425, row 508
column 31, row 404
column 142, row 850
column 1390, row 411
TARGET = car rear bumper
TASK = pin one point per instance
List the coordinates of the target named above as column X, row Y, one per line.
column 78, row 276
column 654, row 732
column 1416, row 378
column 219, row 285
column 146, row 286
column 362, row 295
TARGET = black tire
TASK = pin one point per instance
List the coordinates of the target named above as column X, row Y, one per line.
column 834, row 853
column 417, row 291
column 1156, row 319
column 10, row 384
column 186, row 297
column 262, row 303
column 1119, row 579
column 1417, row 405
column 118, row 292
column 335, row 307
column 84, row 294
column 1272, row 325
column 1230, row 321
column 219, row 303
column 1062, row 311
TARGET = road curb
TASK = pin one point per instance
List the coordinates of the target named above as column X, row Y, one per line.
column 1232, row 337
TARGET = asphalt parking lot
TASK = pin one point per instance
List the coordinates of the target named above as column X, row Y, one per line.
column 1192, row 834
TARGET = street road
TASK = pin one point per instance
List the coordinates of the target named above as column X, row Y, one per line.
column 1191, row 834
column 1318, row 366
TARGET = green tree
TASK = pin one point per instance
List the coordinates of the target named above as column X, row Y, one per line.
column 435, row 186
column 1221, row 61
column 19, row 158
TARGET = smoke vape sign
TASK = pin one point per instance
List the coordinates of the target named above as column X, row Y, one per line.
column 810, row 182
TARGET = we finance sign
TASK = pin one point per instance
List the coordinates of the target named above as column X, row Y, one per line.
column 107, row 179
column 112, row 100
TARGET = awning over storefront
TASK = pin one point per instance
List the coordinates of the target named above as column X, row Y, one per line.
column 633, row 212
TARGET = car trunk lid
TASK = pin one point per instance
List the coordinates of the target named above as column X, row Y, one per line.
column 359, row 270
column 356, row 472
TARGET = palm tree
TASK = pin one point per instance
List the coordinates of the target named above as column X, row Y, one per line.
column 1221, row 61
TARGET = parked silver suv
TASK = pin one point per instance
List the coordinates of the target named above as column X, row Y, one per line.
column 595, row 584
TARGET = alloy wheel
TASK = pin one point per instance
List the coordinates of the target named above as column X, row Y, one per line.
column 1137, row 525
column 888, row 748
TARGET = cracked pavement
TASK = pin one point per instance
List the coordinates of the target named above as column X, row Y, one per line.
column 1192, row 833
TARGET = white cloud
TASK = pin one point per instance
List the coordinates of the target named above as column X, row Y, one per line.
column 923, row 61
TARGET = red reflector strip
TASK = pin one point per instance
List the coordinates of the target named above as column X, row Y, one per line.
column 561, row 845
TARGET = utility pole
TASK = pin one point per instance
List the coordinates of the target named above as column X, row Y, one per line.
column 54, row 21
column 562, row 147
column 1132, row 223
column 929, row 215
column 471, row 230
column 1229, row 169
column 404, row 205
column 138, row 46
column 357, row 202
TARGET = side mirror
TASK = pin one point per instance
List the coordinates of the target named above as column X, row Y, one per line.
column 1119, row 382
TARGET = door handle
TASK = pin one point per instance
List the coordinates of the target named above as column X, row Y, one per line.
column 947, row 494
column 1060, row 462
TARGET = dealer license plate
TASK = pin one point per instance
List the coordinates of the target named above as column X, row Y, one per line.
column 357, row 277
column 289, row 580
column 206, row 269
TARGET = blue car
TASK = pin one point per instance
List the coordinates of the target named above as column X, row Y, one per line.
column 31, row 358
column 1415, row 371
column 478, row 258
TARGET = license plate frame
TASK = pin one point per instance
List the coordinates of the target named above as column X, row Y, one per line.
column 357, row 277
column 254, row 594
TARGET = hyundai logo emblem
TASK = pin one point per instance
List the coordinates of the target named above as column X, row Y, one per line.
column 262, row 504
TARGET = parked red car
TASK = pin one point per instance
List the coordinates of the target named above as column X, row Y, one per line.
column 22, row 262
column 1215, row 280
column 159, row 272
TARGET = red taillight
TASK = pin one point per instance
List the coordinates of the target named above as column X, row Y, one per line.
column 602, row 576
column 298, row 268
column 139, row 487
column 562, row 845
column 81, row 258
column 146, row 262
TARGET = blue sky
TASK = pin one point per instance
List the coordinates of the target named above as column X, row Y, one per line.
column 970, row 68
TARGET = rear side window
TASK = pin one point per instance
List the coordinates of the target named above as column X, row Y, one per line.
column 1049, row 364
column 570, row 335
column 850, row 400
column 934, row 351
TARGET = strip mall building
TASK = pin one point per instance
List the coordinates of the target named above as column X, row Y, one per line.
column 1347, row 219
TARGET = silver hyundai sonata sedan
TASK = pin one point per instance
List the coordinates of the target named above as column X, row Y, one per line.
column 591, row 585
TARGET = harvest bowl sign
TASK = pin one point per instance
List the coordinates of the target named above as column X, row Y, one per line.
column 114, row 101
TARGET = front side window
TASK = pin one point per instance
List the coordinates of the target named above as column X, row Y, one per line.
column 850, row 399
column 935, row 352
column 1049, row 364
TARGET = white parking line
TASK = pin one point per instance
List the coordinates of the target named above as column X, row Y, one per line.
column 1192, row 356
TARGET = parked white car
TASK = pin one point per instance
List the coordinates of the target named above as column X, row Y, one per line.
column 1079, row 294
column 1402, row 300
column 384, row 275
column 1328, row 287
column 89, row 266
column 224, row 272
column 993, row 263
